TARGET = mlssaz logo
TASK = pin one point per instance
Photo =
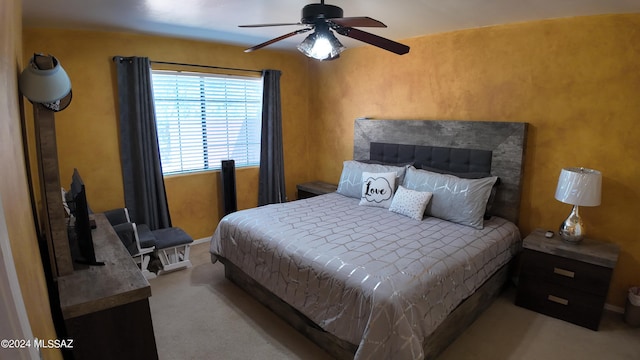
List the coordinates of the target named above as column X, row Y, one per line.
column 53, row 343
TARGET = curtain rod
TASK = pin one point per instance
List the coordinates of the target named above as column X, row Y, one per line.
column 205, row 66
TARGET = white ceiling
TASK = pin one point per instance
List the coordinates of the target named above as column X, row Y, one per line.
column 218, row 20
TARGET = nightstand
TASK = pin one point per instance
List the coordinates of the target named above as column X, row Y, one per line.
column 315, row 188
column 566, row 281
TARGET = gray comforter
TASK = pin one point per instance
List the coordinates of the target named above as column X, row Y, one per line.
column 369, row 276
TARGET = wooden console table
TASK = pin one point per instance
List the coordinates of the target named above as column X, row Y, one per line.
column 106, row 308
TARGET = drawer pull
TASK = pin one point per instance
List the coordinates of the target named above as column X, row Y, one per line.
column 564, row 272
column 558, row 300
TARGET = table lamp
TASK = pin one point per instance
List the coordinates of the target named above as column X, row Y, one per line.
column 577, row 186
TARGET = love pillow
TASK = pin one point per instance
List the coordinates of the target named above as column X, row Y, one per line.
column 378, row 189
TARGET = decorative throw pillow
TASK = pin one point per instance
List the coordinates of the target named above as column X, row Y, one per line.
column 458, row 200
column 378, row 189
column 351, row 178
column 410, row 203
column 472, row 175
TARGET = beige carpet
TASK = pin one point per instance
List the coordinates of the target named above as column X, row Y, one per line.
column 198, row 314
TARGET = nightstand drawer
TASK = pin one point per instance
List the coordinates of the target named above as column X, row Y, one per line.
column 567, row 272
column 555, row 300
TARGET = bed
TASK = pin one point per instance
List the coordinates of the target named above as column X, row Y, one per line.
column 366, row 277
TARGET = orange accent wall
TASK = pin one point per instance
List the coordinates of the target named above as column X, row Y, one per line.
column 90, row 122
column 14, row 188
column 576, row 81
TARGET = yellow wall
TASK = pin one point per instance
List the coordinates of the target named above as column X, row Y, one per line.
column 15, row 198
column 90, row 123
column 575, row 81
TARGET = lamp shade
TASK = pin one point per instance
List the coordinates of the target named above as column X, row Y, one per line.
column 44, row 86
column 579, row 186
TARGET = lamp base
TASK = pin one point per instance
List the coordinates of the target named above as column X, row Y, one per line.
column 572, row 229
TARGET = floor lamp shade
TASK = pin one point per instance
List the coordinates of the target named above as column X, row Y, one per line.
column 577, row 187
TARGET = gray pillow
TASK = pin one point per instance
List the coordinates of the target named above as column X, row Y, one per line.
column 472, row 175
column 351, row 178
column 458, row 200
column 464, row 175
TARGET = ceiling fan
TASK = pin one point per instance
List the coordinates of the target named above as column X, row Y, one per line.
column 322, row 43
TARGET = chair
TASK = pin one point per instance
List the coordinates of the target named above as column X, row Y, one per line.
column 172, row 245
column 140, row 242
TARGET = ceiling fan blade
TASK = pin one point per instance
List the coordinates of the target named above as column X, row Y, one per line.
column 264, row 25
column 375, row 40
column 260, row 46
column 360, row 21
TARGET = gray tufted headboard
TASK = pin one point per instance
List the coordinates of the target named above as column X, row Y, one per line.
column 461, row 146
column 443, row 158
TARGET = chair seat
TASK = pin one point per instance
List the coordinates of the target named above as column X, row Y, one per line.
column 170, row 237
column 171, row 245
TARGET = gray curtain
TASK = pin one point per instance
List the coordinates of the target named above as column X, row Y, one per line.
column 144, row 192
column 271, row 187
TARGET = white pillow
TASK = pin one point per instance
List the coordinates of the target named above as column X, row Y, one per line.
column 378, row 189
column 410, row 203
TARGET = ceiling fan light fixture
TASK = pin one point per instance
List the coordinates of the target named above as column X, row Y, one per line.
column 321, row 45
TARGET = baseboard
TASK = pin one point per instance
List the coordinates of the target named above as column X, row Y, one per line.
column 201, row 241
column 616, row 309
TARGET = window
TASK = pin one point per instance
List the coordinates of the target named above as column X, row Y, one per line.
column 205, row 118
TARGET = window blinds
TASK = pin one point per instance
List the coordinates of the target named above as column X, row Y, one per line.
column 205, row 118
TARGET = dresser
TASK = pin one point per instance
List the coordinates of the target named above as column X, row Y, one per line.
column 106, row 308
column 103, row 309
column 566, row 281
